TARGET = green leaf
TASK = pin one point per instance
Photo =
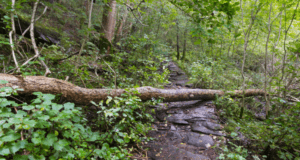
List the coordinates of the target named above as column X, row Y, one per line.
column 233, row 134
column 60, row 145
column 28, row 107
column 49, row 141
column 11, row 137
column 69, row 106
column 21, row 114
column 4, row 151
column 30, row 123
column 127, row 140
column 94, row 137
column 120, row 140
column 108, row 100
column 44, row 117
column 20, row 157
column 6, row 17
column 37, row 93
column 15, row 120
column 57, row 107
column 76, row 119
column 79, row 126
column 37, row 101
column 48, row 97
column 36, row 141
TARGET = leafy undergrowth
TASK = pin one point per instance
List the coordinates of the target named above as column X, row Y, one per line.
column 218, row 72
column 124, row 69
column 255, row 137
column 44, row 129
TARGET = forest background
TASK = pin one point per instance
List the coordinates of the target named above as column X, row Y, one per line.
column 220, row 44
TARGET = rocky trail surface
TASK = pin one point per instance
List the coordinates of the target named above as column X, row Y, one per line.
column 184, row 130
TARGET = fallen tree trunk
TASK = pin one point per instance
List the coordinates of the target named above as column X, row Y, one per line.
column 80, row 95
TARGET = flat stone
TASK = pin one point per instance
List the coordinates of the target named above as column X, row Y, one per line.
column 173, row 128
column 202, row 129
column 212, row 126
column 174, row 136
column 163, row 126
column 165, row 152
column 177, row 121
column 198, row 140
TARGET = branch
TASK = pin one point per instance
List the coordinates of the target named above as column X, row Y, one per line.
column 13, row 51
column 131, row 9
column 37, row 54
column 23, row 34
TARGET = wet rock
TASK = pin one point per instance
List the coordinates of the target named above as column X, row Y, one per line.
column 161, row 115
column 185, row 104
column 198, row 140
column 174, row 136
column 165, row 152
column 163, row 126
column 173, row 128
column 212, row 126
column 176, row 120
column 198, row 127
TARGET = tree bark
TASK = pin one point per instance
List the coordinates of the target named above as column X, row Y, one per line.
column 79, row 95
column 178, row 52
column 184, row 45
column 119, row 32
column 108, row 20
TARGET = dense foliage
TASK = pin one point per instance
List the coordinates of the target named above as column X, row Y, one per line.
column 44, row 129
column 220, row 44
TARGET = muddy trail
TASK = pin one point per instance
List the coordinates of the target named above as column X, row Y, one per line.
column 183, row 130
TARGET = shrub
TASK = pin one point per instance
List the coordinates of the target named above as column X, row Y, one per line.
column 47, row 130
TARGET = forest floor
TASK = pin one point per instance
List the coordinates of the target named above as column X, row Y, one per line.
column 184, row 130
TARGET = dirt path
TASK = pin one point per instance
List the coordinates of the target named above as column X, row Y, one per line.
column 184, row 130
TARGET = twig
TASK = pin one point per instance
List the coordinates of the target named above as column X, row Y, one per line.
column 85, row 39
column 294, row 98
column 131, row 9
column 82, row 81
column 37, row 54
column 13, row 51
column 116, row 87
column 16, row 99
column 13, row 20
column 26, row 30
column 3, row 67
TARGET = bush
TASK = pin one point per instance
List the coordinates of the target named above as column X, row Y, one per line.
column 47, row 130
column 275, row 138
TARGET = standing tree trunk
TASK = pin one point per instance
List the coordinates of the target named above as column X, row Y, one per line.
column 246, row 40
column 109, row 22
column 120, row 29
column 178, row 52
column 266, row 61
column 184, row 45
column 12, row 35
column 283, row 73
